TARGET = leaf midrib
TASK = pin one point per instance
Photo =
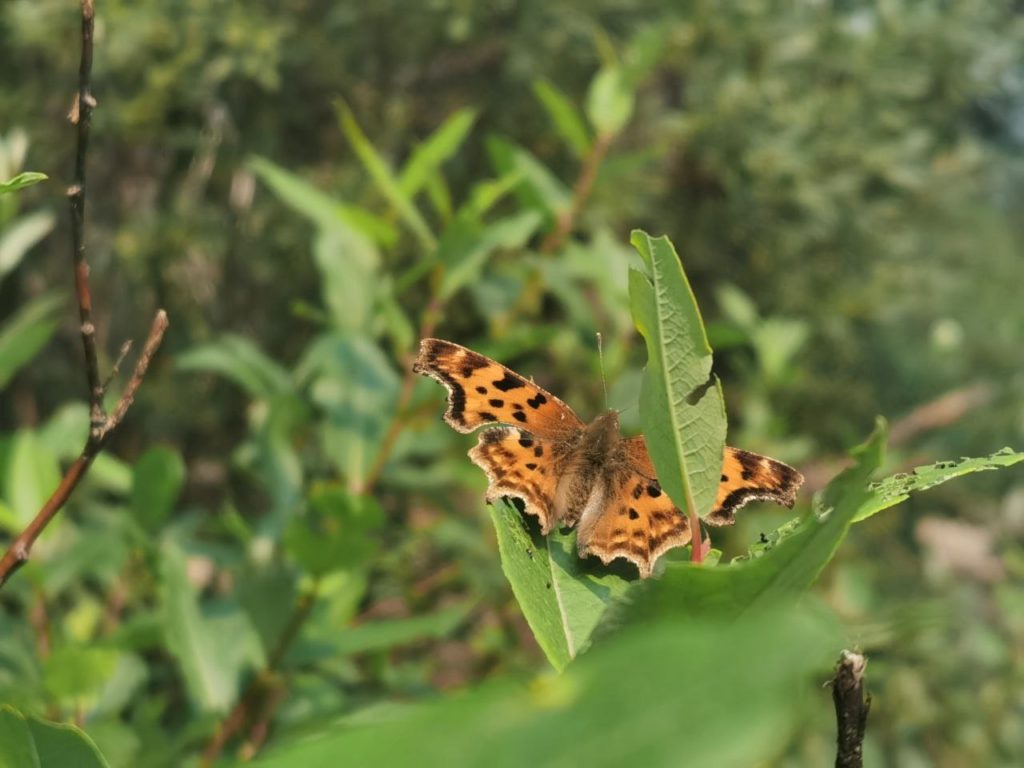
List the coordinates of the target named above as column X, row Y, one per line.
column 570, row 641
column 673, row 416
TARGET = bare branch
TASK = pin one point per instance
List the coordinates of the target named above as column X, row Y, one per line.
column 101, row 425
column 81, row 116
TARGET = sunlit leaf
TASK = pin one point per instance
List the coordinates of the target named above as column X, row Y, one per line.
column 681, row 405
column 157, row 479
column 428, row 157
column 19, row 237
column 383, row 177
column 336, row 531
column 654, row 697
column 28, row 742
column 240, row 361
column 25, row 333
column 561, row 596
column 32, row 475
column 22, row 180
column 214, row 648
column 610, row 101
column 564, row 117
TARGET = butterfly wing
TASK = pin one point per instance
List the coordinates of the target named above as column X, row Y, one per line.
column 745, row 477
column 481, row 391
column 638, row 522
column 520, row 465
column 748, row 477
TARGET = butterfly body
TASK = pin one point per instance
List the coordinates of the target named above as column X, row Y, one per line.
column 571, row 474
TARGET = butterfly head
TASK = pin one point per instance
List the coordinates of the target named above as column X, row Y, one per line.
column 602, row 433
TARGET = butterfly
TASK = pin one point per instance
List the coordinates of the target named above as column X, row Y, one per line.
column 569, row 474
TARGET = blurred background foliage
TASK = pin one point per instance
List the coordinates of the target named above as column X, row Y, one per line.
column 308, row 187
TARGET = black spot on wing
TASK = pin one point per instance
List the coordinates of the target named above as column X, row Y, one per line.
column 496, row 403
column 509, row 381
column 537, row 401
column 488, row 416
column 518, row 415
column 749, row 463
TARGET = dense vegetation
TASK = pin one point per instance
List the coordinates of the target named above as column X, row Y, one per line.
column 284, row 540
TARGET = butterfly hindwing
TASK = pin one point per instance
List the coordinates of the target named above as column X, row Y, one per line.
column 750, row 476
column 520, row 465
column 481, row 392
column 745, row 477
column 639, row 523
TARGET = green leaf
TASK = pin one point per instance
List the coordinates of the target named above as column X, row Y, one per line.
column 384, row 178
column 157, row 479
column 681, row 405
column 384, row 635
column 25, row 333
column 20, row 236
column 610, row 101
column 781, row 574
column 34, row 743
column 214, row 648
column 73, row 672
column 893, row 490
column 669, row 693
column 466, row 246
column 427, row 158
column 564, row 117
column 336, row 532
column 353, row 383
column 561, row 596
column 17, row 747
column 276, row 456
column 22, row 180
column 32, row 476
column 486, row 194
column 540, row 188
column 350, row 268
column 320, row 208
column 241, row 361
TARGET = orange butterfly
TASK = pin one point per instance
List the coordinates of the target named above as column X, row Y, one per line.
column 588, row 476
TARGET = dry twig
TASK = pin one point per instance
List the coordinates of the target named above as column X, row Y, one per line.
column 101, row 425
column 851, row 709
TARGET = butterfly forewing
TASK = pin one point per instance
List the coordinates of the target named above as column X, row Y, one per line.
column 481, row 392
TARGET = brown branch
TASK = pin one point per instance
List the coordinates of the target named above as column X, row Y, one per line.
column 580, row 194
column 431, row 316
column 265, row 683
column 18, row 553
column 851, row 709
column 81, row 116
column 100, row 424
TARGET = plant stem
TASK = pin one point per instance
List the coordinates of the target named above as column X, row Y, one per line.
column 851, row 709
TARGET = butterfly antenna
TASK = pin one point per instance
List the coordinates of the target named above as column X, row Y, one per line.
column 600, row 359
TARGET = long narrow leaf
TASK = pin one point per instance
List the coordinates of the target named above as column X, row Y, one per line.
column 383, row 177
column 681, row 405
column 437, row 149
